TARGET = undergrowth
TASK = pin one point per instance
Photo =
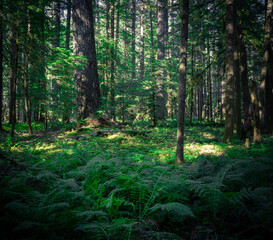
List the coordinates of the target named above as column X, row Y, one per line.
column 128, row 187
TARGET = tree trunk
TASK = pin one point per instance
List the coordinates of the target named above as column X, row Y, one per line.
column 142, row 25
column 161, row 110
column 68, row 19
column 256, row 115
column 1, row 66
column 154, row 119
column 266, row 96
column 133, row 40
column 246, row 131
column 182, row 82
column 229, row 121
column 67, row 112
column 191, row 90
column 26, row 63
column 86, row 79
column 238, row 115
column 56, row 44
column 13, row 76
column 112, row 74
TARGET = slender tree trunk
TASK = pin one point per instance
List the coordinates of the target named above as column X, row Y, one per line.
column 67, row 112
column 1, row 66
column 256, row 115
column 112, row 74
column 209, row 99
column 182, row 82
column 56, row 44
column 86, row 79
column 68, row 19
column 142, row 25
column 154, row 119
column 246, row 131
column 41, row 114
column 106, row 62
column 191, row 93
column 238, row 115
column 13, row 76
column 229, row 121
column 133, row 39
column 161, row 110
column 266, row 92
column 26, row 63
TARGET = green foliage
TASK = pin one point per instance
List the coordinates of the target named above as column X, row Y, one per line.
column 124, row 187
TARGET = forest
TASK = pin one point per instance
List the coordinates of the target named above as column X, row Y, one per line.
column 136, row 119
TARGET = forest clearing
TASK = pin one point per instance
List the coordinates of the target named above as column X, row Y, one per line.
column 136, row 119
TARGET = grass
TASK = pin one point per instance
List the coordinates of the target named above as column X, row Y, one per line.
column 70, row 185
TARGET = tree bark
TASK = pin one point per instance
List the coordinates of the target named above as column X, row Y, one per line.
column 68, row 19
column 1, row 65
column 112, row 74
column 238, row 115
column 161, row 110
column 142, row 25
column 182, row 82
column 133, row 39
column 86, row 79
column 266, row 92
column 256, row 115
column 246, row 131
column 26, row 63
column 153, row 68
column 13, row 76
column 66, row 113
column 229, row 121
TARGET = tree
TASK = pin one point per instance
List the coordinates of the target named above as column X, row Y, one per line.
column 267, row 69
column 246, row 131
column 161, row 110
column 86, row 79
column 1, row 65
column 230, row 34
column 182, row 82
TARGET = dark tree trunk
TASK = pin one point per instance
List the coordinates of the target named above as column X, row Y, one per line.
column 238, row 115
column 56, row 44
column 66, row 113
column 154, row 119
column 133, row 39
column 1, row 66
column 68, row 19
column 266, row 97
column 191, row 91
column 256, row 116
column 230, row 34
column 182, row 82
column 13, row 76
column 112, row 80
column 86, row 79
column 26, row 63
column 142, row 25
column 161, row 110
column 246, row 131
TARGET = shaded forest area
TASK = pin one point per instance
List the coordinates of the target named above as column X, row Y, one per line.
column 136, row 119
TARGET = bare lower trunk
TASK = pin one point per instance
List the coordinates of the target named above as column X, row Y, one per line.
column 182, row 82
column 246, row 131
column 256, row 116
column 1, row 66
column 229, row 121
column 86, row 79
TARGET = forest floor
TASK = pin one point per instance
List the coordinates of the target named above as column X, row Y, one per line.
column 110, row 183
